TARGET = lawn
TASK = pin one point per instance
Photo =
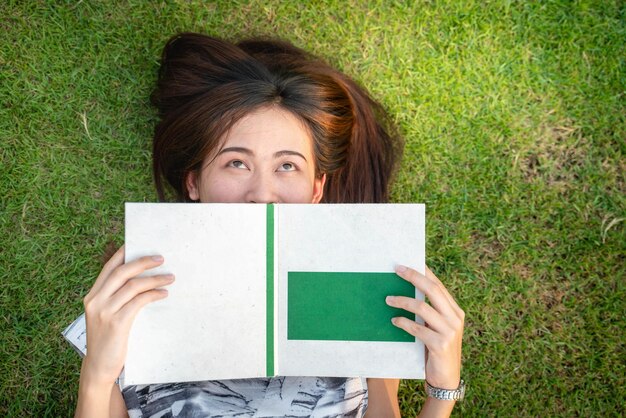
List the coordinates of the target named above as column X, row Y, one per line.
column 514, row 116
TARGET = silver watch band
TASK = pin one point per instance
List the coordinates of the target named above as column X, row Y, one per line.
column 446, row 394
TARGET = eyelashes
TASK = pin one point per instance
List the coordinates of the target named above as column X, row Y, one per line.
column 283, row 167
column 237, row 164
column 287, row 167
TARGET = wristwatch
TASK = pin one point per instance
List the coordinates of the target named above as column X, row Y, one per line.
column 445, row 394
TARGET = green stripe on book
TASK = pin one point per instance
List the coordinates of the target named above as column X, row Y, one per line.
column 269, row 308
column 345, row 306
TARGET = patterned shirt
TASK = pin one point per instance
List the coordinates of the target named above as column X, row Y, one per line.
column 259, row 398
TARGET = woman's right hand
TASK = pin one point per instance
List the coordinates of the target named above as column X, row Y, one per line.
column 110, row 308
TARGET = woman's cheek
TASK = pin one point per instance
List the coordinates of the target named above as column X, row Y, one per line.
column 297, row 190
column 222, row 190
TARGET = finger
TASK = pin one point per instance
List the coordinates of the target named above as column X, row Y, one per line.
column 420, row 308
column 127, row 271
column 130, row 310
column 115, row 261
column 430, row 275
column 426, row 335
column 429, row 287
column 136, row 286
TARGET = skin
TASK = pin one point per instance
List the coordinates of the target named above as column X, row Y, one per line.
column 267, row 157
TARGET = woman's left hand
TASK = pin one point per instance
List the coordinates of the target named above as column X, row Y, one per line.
column 442, row 332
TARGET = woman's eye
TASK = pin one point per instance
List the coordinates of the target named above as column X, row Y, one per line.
column 287, row 167
column 237, row 164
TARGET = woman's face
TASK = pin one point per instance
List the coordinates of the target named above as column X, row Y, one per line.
column 266, row 157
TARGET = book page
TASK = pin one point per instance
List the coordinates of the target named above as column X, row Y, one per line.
column 335, row 267
column 212, row 324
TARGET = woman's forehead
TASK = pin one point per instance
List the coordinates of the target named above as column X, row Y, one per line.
column 269, row 128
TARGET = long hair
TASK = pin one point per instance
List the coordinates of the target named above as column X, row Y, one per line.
column 205, row 85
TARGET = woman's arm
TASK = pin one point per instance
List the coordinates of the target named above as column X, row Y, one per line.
column 110, row 308
column 382, row 399
column 435, row 408
column 99, row 400
column 442, row 334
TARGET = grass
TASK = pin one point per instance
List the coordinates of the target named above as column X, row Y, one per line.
column 514, row 116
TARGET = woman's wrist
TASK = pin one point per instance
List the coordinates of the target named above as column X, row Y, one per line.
column 95, row 374
column 94, row 397
column 436, row 408
column 457, row 393
column 448, row 384
column 91, row 380
column 94, row 390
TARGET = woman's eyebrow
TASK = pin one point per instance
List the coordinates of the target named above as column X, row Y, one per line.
column 288, row 152
column 236, row 149
column 248, row 151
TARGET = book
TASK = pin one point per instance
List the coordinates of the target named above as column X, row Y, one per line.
column 277, row 289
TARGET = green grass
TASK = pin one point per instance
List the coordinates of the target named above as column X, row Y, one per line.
column 515, row 122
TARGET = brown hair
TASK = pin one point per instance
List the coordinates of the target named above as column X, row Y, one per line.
column 205, row 85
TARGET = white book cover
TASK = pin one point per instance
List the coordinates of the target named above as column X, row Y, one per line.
column 280, row 289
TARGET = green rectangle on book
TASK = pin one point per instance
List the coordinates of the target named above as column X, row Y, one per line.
column 345, row 306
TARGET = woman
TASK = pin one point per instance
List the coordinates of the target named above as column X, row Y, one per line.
column 260, row 122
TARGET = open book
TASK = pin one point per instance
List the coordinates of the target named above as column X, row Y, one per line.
column 278, row 289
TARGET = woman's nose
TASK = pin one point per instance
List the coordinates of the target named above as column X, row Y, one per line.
column 262, row 189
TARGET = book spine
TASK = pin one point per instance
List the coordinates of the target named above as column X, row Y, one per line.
column 269, row 349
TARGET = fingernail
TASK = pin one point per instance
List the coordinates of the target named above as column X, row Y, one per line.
column 400, row 268
column 394, row 321
column 170, row 277
column 389, row 299
column 157, row 258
